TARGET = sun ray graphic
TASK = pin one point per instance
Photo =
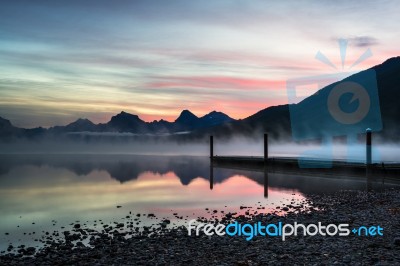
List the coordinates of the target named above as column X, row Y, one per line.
column 343, row 51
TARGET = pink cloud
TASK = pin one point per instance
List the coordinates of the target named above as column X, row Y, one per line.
column 218, row 82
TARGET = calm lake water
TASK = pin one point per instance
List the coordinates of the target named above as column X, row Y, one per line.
column 44, row 193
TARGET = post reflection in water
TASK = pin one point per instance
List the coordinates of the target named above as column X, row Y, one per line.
column 374, row 182
column 265, row 183
column 211, row 176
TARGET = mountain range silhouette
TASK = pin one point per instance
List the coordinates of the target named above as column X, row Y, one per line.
column 275, row 119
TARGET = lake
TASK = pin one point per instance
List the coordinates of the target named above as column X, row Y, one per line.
column 47, row 193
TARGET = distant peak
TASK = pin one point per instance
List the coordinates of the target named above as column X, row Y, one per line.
column 186, row 112
column 186, row 116
column 215, row 117
column 216, row 113
column 81, row 122
column 125, row 114
column 125, row 117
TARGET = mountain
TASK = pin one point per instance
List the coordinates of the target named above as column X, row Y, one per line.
column 7, row 130
column 125, row 122
column 187, row 121
column 215, row 118
column 276, row 120
column 161, row 127
column 80, row 125
column 388, row 77
column 122, row 122
column 5, row 124
column 187, row 118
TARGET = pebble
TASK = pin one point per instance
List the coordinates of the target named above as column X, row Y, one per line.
column 162, row 245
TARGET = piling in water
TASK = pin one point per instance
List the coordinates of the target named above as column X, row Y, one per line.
column 265, row 147
column 368, row 147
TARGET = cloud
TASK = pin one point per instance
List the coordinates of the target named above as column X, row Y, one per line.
column 218, row 82
column 363, row 41
column 95, row 58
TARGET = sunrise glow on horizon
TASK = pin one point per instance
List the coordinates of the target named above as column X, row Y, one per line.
column 60, row 61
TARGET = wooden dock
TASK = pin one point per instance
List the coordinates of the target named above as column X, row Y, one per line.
column 313, row 166
column 307, row 165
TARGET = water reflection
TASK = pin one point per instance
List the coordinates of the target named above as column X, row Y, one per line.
column 46, row 192
column 40, row 193
column 125, row 168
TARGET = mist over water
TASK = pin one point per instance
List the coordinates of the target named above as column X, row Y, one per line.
column 118, row 147
column 353, row 153
column 381, row 152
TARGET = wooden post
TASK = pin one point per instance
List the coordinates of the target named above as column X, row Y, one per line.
column 368, row 159
column 369, row 147
column 265, row 165
column 211, row 148
column 265, row 147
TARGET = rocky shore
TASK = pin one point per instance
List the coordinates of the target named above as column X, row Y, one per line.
column 126, row 244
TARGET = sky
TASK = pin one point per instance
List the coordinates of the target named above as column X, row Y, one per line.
column 64, row 60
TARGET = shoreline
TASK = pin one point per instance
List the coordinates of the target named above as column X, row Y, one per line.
column 162, row 245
